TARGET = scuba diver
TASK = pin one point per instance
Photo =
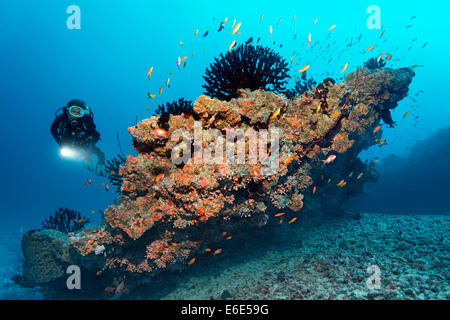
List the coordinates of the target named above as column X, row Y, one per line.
column 75, row 132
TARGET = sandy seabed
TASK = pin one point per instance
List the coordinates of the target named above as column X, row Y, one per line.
column 330, row 260
column 314, row 260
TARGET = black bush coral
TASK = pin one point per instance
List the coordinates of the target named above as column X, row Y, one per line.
column 65, row 220
column 176, row 107
column 374, row 63
column 112, row 167
column 246, row 67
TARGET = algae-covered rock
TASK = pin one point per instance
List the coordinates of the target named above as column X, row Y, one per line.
column 46, row 255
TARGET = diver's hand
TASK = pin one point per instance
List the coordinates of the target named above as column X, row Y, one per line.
column 100, row 170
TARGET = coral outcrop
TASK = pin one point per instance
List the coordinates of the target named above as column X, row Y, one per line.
column 169, row 213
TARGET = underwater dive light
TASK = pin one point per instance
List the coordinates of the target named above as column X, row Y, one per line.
column 68, row 152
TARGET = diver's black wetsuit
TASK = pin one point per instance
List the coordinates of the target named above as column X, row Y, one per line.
column 80, row 132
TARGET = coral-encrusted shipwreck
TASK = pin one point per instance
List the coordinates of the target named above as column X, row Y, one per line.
column 168, row 214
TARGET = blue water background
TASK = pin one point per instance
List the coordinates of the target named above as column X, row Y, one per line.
column 44, row 64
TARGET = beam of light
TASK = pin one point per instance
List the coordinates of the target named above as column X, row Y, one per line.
column 69, row 153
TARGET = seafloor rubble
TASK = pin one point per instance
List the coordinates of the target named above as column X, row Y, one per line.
column 168, row 215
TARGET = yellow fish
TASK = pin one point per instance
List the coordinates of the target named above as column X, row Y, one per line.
column 345, row 67
column 379, row 56
column 271, row 30
column 151, row 95
column 181, row 43
column 315, row 21
column 196, row 32
column 238, row 26
column 231, row 45
column 360, row 176
column 149, row 72
column 277, row 112
column 234, row 22
column 167, row 82
column 304, row 68
column 292, row 59
column 332, row 27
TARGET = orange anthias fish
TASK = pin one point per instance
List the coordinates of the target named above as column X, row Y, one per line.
column 181, row 43
column 238, row 26
column 191, row 261
column 382, row 34
column 304, row 68
column 88, row 182
column 292, row 220
column 332, row 27
column 149, row 72
column 388, row 58
column 207, row 250
column 196, row 32
column 376, row 129
column 228, row 238
column 289, row 159
column 280, row 214
column 161, row 89
column 314, row 189
column 218, row 251
column 360, row 176
column 159, row 177
column 107, row 187
column 345, row 67
column 262, row 16
column 329, row 159
column 231, row 45
column 160, row 133
column 405, row 115
column 335, row 114
column 271, row 30
column 151, row 95
column 342, row 183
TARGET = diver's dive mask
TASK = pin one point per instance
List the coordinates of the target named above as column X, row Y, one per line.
column 79, row 112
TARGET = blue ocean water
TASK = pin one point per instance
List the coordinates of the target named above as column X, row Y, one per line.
column 44, row 65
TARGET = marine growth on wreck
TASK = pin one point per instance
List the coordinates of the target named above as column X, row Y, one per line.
column 168, row 215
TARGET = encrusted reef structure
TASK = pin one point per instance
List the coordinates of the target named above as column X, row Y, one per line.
column 168, row 215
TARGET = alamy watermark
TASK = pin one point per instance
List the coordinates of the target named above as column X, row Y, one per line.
column 212, row 147
column 374, row 20
column 74, row 20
